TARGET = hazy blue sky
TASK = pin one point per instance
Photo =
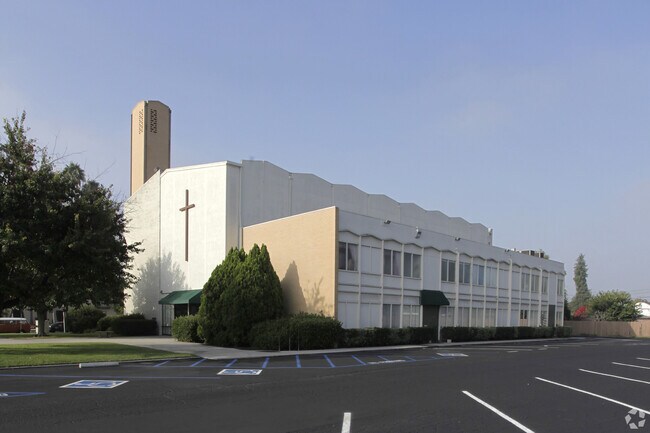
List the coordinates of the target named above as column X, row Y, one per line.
column 532, row 118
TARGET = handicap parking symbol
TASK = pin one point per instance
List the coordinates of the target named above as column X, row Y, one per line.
column 95, row 384
column 240, row 372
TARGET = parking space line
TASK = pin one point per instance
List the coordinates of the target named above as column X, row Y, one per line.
column 614, row 376
column 298, row 365
column 501, row 414
column 594, row 395
column 643, row 359
column 198, row 362
column 162, row 363
column 382, row 357
column 409, row 358
column 347, row 422
column 631, row 365
column 231, row 363
column 266, row 362
column 329, row 361
column 358, row 360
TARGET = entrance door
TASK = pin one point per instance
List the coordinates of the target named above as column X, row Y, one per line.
column 167, row 318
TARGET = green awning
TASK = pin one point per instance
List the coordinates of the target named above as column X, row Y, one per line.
column 182, row 297
column 433, row 297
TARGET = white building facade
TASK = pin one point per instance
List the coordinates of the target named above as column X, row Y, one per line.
column 380, row 262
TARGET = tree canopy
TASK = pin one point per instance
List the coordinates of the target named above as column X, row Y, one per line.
column 614, row 305
column 61, row 236
column 242, row 291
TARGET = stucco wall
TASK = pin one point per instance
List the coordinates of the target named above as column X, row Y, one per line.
column 143, row 212
column 303, row 251
column 271, row 192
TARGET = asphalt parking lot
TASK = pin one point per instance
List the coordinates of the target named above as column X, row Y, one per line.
column 578, row 385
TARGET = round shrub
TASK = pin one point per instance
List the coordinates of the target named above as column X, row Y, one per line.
column 185, row 328
column 84, row 318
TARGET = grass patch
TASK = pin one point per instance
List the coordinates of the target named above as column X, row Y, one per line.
column 52, row 335
column 15, row 355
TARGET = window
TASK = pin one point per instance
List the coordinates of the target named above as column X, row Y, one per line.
column 544, row 285
column 392, row 262
column 348, row 256
column 478, row 276
column 370, row 260
column 560, row 287
column 448, row 271
column 491, row 276
column 523, row 314
column 464, row 273
column 525, row 281
column 410, row 316
column 535, row 284
column 390, row 317
column 412, row 265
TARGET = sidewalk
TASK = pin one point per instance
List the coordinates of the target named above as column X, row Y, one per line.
column 212, row 352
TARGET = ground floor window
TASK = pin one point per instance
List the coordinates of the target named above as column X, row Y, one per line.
column 411, row 316
column 390, row 316
column 446, row 316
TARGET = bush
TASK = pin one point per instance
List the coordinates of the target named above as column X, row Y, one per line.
column 106, row 323
column 505, row 333
column 525, row 332
column 371, row 337
column 127, row 326
column 242, row 291
column 84, row 318
column 543, row 332
column 562, row 331
column 185, row 328
column 301, row 332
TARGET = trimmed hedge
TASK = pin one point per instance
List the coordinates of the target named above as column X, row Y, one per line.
column 299, row 332
column 106, row 323
column 465, row 333
column 185, row 328
column 127, row 326
column 371, row 337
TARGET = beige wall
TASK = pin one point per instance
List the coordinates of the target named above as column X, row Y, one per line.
column 640, row 328
column 150, row 141
column 303, row 251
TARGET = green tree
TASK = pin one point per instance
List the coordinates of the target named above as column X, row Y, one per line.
column 61, row 237
column 583, row 295
column 614, row 305
column 242, row 291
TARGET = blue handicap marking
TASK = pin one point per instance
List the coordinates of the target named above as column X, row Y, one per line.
column 95, row 384
column 18, row 394
column 240, row 372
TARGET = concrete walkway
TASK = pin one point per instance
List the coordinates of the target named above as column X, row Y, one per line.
column 212, row 352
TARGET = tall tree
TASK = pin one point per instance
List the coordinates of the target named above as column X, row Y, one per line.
column 61, row 237
column 583, row 295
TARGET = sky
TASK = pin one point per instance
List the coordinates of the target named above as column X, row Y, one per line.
column 531, row 118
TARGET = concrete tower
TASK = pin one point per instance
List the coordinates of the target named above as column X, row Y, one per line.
column 150, row 141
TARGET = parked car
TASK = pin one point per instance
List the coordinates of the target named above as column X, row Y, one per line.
column 14, row 324
column 56, row 327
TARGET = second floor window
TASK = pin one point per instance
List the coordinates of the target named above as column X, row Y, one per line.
column 392, row 262
column 412, row 265
column 448, row 271
column 348, row 256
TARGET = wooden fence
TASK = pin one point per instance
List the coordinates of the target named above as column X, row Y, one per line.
column 640, row 328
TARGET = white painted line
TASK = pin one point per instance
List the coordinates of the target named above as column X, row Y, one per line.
column 501, row 414
column 614, row 376
column 595, row 395
column 631, row 365
column 98, row 364
column 644, row 359
column 513, row 351
column 347, row 422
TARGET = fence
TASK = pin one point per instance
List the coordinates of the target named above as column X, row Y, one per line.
column 638, row 329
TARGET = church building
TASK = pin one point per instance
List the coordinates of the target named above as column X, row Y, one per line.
column 363, row 258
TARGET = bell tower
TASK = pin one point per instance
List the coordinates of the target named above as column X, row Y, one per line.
column 150, row 141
